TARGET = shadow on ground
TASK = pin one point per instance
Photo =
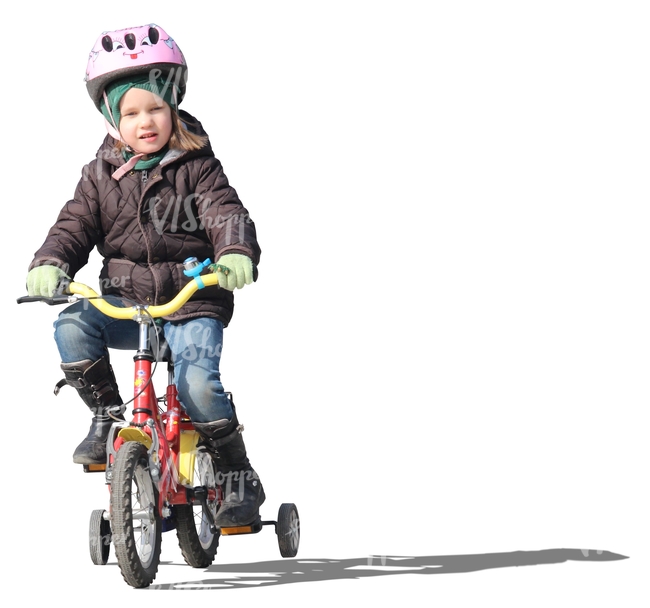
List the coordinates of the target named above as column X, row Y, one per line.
column 290, row 571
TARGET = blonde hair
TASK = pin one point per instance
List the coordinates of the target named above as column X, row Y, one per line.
column 181, row 138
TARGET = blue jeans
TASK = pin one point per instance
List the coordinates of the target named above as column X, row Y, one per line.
column 83, row 332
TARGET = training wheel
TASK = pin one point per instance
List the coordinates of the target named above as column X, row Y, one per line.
column 99, row 537
column 288, row 530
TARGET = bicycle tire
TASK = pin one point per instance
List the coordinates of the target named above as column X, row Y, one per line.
column 198, row 544
column 288, row 530
column 134, row 498
column 99, row 537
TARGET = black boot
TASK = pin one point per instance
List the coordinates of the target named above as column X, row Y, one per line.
column 97, row 387
column 242, row 489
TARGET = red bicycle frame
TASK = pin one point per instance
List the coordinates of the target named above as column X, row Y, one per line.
column 159, row 431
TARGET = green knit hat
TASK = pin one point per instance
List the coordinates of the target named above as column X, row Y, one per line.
column 116, row 90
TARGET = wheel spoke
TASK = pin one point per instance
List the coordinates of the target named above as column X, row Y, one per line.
column 144, row 514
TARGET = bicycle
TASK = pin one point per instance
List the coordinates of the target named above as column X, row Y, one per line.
column 158, row 477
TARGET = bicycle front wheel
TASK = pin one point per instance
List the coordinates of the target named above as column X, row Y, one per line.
column 135, row 521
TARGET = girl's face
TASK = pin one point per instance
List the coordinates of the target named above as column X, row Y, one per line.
column 145, row 121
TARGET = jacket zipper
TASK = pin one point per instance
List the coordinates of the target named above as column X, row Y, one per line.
column 144, row 176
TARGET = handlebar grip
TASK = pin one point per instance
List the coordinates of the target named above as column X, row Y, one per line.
column 62, row 295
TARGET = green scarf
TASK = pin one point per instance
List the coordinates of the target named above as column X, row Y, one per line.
column 151, row 161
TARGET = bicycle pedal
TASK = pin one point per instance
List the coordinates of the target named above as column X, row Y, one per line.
column 256, row 526
column 94, row 468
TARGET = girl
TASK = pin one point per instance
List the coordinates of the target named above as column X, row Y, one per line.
column 154, row 195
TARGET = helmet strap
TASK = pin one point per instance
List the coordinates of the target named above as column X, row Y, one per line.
column 126, row 167
column 108, row 107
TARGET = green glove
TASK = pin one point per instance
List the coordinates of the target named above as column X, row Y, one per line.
column 235, row 270
column 43, row 280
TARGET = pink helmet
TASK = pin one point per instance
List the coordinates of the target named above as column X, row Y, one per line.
column 131, row 51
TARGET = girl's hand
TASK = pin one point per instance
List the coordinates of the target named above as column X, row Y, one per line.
column 235, row 270
column 43, row 281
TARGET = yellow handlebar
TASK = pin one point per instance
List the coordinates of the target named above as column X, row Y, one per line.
column 162, row 310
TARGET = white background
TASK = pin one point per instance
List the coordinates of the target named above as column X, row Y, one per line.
column 446, row 352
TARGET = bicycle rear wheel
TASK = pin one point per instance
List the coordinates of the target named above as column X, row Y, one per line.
column 197, row 542
column 136, row 523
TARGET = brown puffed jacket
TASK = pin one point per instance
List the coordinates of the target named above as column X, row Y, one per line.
column 147, row 223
